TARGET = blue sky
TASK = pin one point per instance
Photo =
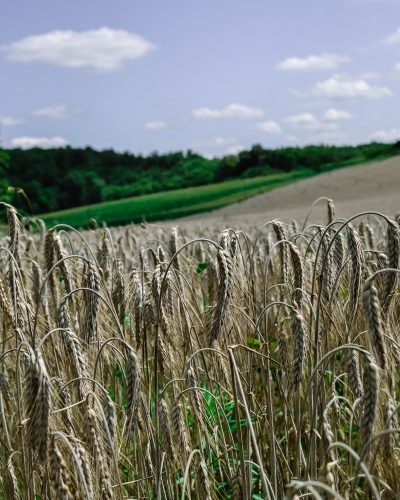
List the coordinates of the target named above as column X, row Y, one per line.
column 214, row 76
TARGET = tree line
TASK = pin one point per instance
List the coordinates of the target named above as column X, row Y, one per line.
column 56, row 179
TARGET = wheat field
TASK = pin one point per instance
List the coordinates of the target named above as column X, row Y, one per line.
column 201, row 362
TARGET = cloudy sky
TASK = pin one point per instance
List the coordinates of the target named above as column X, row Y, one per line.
column 215, row 76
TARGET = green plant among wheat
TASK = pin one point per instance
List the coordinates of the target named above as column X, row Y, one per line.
column 200, row 362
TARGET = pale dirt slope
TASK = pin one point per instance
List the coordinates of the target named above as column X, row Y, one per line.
column 374, row 186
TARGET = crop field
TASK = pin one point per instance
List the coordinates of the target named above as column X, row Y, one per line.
column 171, row 204
column 298, row 188
column 201, row 362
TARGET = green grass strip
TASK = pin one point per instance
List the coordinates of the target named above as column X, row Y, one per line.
column 171, row 204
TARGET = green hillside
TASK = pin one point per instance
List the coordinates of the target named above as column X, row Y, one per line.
column 170, row 204
column 39, row 181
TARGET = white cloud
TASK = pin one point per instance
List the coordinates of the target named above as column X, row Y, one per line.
column 341, row 87
column 104, row 49
column 304, row 119
column 393, row 38
column 233, row 110
column 309, row 121
column 398, row 66
column 215, row 142
column 38, row 142
column 336, row 115
column 160, row 125
column 391, row 135
column 292, row 139
column 58, row 112
column 369, row 75
column 313, row 62
column 234, row 150
column 332, row 137
column 10, row 121
column 222, row 141
column 269, row 127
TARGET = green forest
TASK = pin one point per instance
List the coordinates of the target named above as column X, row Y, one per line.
column 45, row 180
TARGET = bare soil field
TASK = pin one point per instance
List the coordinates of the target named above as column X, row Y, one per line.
column 373, row 187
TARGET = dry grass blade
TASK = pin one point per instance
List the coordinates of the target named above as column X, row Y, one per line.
column 38, row 404
column 15, row 232
column 370, row 399
column 393, row 253
column 59, row 474
column 92, row 301
column 357, row 264
column 372, row 310
column 226, row 273
column 298, row 336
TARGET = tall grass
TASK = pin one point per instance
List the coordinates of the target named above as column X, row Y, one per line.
column 201, row 362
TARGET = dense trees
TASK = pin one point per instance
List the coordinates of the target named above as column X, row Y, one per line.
column 55, row 179
column 4, row 166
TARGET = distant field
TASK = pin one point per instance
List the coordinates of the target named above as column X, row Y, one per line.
column 171, row 204
column 196, row 200
column 373, row 186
